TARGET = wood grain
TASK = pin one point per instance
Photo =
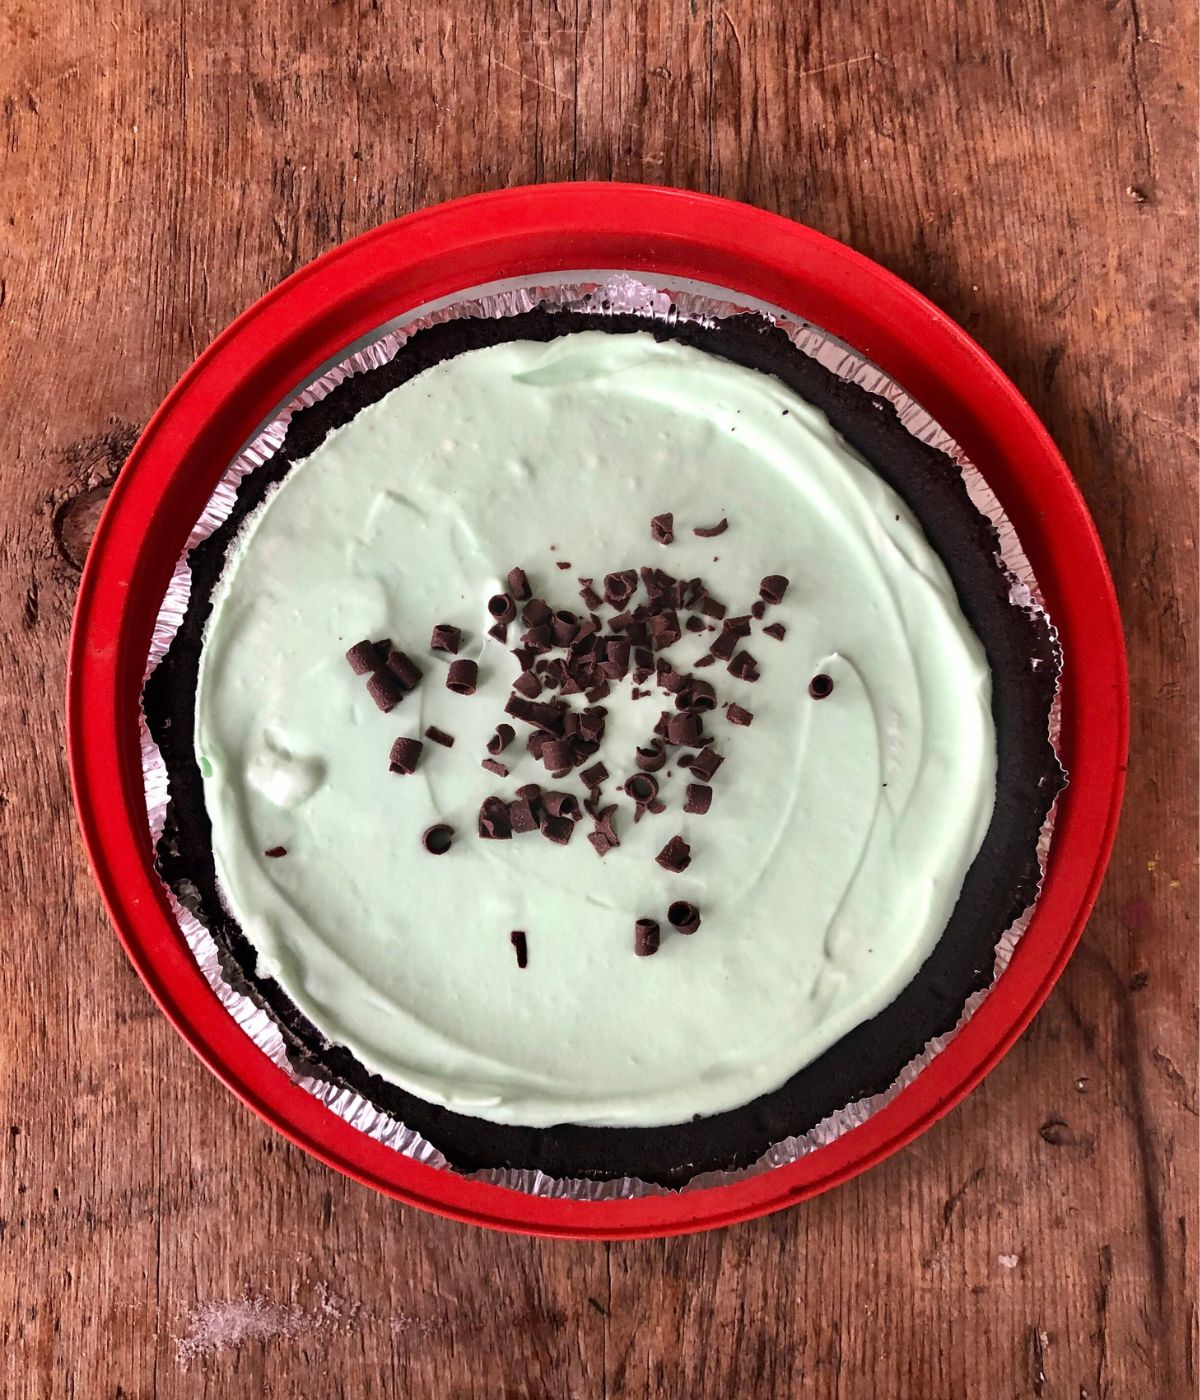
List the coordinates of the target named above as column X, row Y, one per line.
column 1031, row 166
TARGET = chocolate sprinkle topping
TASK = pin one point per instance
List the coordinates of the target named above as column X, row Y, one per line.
column 619, row 588
column 438, row 839
column 645, row 937
column 439, row 736
column 706, row 660
column 522, row 818
column 518, row 584
column 675, row 856
column 820, row 686
column 275, row 852
column 736, row 715
column 724, row 646
column 535, row 612
column 521, row 946
column 462, row 677
column 493, row 765
column 405, row 755
column 772, row 588
column 499, row 631
column 446, row 637
column 604, row 837
column 699, row 798
column 776, row 630
column 708, row 532
column 363, row 658
column 683, row 916
column 758, row 610
column 662, row 528
column 595, row 775
column 385, row 690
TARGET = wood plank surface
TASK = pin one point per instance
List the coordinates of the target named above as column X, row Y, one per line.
column 1030, row 164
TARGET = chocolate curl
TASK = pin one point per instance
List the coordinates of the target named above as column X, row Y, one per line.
column 446, row 637
column 683, row 916
column 438, row 839
column 645, row 937
column 675, row 856
column 662, row 529
column 364, row 659
column 405, row 755
column 462, row 677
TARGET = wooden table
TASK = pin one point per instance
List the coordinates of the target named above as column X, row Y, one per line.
column 1027, row 163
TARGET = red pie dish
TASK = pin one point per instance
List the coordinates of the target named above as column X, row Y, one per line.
column 673, row 239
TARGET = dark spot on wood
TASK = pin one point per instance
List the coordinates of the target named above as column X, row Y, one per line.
column 598, row 1306
column 29, row 615
column 1139, row 981
column 1050, row 365
column 1057, row 1133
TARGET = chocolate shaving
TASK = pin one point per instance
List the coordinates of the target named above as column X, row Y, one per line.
column 536, row 742
column 706, row 763
column 706, row 660
column 562, row 804
column 385, row 690
column 521, row 947
column 363, row 658
column 772, row 588
column 652, row 757
column 564, row 628
column 499, row 631
column 405, row 755
column 462, row 677
column 446, row 637
column 709, row 606
column 685, row 729
column 439, row 736
column 675, row 856
column 437, row 839
column 493, row 765
column 522, row 817
column 683, row 916
column 557, row 754
column 697, row 695
column 494, row 823
column 591, row 599
column 645, row 937
column 695, row 624
column 744, row 667
column 276, row 851
column 620, row 587
column 776, row 630
column 405, row 670
column 699, row 798
column 758, row 610
column 820, row 686
column 558, row 829
column 724, row 646
column 535, row 612
column 595, row 775
column 518, row 584
column 531, row 792
column 737, row 626
column 501, row 739
column 662, row 528
column 502, row 607
column 642, row 788
column 604, row 837
column 528, row 685
column 562, row 564
column 597, row 692
column 708, row 532
column 736, row 715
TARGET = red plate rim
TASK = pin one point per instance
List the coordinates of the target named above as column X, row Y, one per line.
column 281, row 340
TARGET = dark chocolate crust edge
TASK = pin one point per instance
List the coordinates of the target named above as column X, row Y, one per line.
column 1001, row 882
